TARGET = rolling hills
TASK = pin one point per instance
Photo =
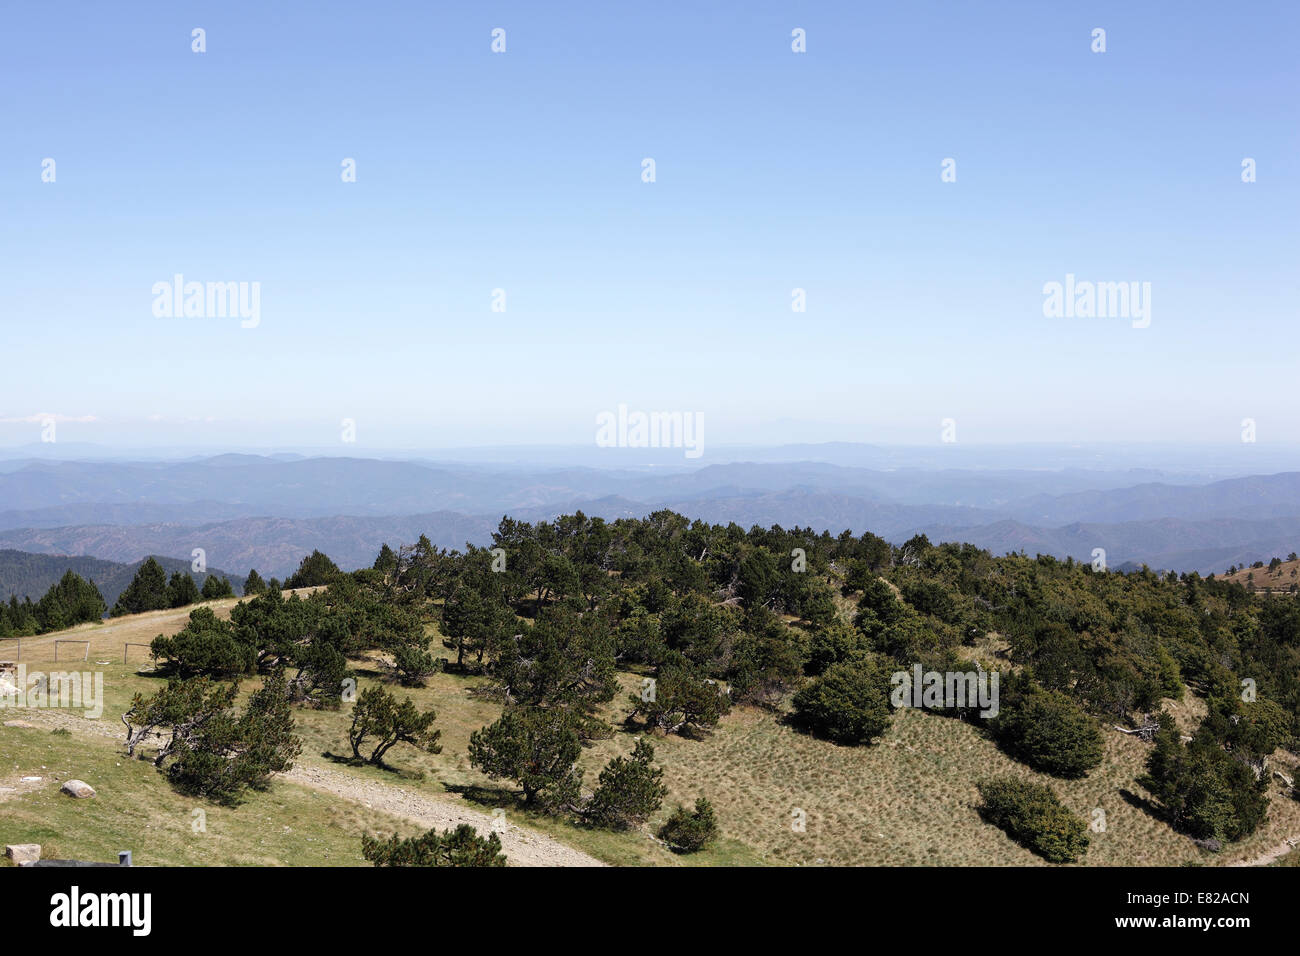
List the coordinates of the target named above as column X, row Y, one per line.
column 268, row 512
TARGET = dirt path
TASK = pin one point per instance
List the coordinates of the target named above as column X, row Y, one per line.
column 1268, row 857
column 521, row 847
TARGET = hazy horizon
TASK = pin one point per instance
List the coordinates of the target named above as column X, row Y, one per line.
column 1202, row 459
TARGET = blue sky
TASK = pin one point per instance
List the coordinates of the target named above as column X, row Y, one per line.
column 522, row 171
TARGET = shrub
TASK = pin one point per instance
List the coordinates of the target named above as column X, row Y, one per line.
column 834, row 644
column 764, row 668
column 460, row 847
column 686, row 831
column 879, row 599
column 628, row 791
column 412, row 664
column 848, row 704
column 1031, row 815
column 1050, row 732
column 930, row 597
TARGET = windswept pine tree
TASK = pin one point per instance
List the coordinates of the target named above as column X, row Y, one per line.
column 208, row 749
column 537, row 748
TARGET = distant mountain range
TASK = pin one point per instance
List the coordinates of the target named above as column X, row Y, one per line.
column 272, row 546
column 51, row 493
column 30, row 575
column 1163, row 544
column 1259, row 497
column 248, row 511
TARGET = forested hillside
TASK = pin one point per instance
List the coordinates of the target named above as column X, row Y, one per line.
column 26, row 575
column 820, row 632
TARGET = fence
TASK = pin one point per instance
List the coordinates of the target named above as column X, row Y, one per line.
column 84, row 657
column 129, row 645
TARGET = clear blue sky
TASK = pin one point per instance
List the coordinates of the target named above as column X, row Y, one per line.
column 522, row 171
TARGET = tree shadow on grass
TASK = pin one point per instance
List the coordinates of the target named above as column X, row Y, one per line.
column 800, row 727
column 1157, row 812
column 347, row 760
column 1149, row 807
column 489, row 797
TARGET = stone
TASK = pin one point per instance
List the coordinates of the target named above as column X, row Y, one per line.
column 23, row 852
column 20, row 723
column 78, row 789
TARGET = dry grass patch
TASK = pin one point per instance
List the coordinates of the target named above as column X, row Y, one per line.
column 1279, row 581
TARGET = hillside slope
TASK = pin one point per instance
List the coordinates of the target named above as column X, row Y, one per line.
column 910, row 800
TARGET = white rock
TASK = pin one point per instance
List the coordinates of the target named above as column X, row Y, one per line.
column 23, row 852
column 78, row 788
